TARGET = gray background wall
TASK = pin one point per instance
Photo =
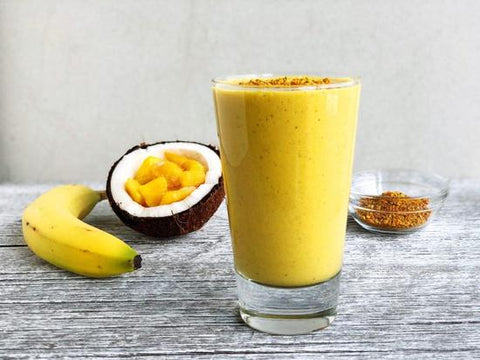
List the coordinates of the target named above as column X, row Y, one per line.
column 83, row 80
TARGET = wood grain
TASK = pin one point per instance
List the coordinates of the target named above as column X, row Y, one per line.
column 415, row 296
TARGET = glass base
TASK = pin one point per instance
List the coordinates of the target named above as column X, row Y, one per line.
column 380, row 230
column 288, row 311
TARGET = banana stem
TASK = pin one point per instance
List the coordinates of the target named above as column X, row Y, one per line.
column 103, row 194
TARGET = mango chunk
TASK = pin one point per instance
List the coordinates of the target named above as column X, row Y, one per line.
column 170, row 171
column 144, row 173
column 192, row 178
column 176, row 158
column 165, row 181
column 184, row 162
column 153, row 191
column 176, row 195
column 193, row 165
column 132, row 187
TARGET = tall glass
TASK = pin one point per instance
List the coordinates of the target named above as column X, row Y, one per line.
column 287, row 148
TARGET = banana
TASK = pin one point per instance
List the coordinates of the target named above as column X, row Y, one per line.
column 53, row 230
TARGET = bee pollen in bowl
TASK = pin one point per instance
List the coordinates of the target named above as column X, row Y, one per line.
column 393, row 210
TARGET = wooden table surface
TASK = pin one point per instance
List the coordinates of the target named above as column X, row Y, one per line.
column 414, row 296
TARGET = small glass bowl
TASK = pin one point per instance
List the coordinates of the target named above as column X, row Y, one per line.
column 392, row 213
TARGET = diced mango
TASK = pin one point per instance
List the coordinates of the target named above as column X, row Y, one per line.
column 153, row 191
column 176, row 195
column 176, row 158
column 192, row 178
column 184, row 162
column 165, row 181
column 132, row 187
column 170, row 171
column 193, row 165
column 144, row 173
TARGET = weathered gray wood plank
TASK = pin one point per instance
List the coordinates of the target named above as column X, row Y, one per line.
column 415, row 296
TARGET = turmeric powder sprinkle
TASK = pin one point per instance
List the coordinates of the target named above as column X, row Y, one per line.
column 286, row 81
column 393, row 210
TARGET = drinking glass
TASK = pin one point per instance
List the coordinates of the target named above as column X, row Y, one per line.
column 287, row 148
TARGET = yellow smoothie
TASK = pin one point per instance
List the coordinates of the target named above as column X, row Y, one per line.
column 287, row 152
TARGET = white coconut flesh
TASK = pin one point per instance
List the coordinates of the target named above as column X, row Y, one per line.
column 128, row 166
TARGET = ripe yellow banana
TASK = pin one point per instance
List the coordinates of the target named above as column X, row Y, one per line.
column 53, row 230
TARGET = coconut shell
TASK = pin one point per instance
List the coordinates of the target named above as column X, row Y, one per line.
column 177, row 224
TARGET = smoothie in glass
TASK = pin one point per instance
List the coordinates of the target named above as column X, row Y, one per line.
column 287, row 151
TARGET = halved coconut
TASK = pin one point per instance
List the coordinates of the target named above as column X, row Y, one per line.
column 174, row 219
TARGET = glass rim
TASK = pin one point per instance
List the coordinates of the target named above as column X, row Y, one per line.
column 440, row 193
column 224, row 81
column 389, row 212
